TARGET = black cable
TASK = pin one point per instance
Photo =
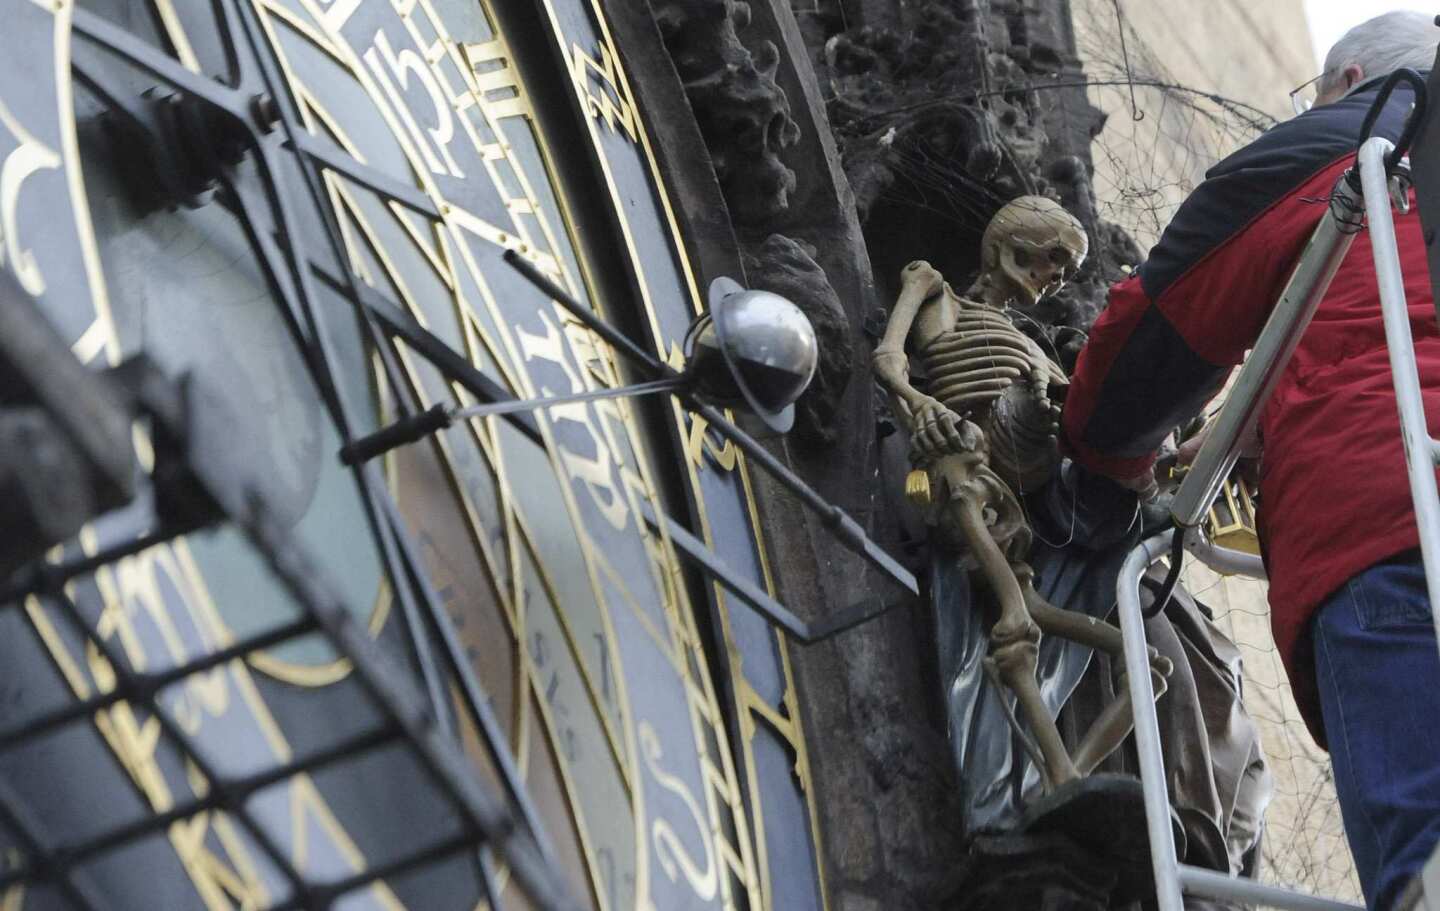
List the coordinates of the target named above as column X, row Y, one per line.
column 1348, row 210
column 1407, row 132
column 1162, row 597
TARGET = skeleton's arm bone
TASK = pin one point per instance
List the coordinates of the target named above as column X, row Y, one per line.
column 917, row 282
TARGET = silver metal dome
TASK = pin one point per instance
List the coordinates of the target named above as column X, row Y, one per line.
column 753, row 348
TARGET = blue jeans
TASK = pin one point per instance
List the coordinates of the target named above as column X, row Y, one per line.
column 1378, row 672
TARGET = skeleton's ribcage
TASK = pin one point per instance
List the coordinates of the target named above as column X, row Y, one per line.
column 969, row 366
column 982, row 370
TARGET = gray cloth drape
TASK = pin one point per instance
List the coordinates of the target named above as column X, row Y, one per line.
column 1216, row 772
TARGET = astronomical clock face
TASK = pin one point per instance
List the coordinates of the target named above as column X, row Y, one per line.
column 396, row 150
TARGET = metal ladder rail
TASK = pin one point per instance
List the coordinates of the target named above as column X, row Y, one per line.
column 1421, row 450
column 1308, row 284
column 1173, row 880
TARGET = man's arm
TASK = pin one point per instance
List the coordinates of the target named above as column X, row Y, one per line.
column 1173, row 331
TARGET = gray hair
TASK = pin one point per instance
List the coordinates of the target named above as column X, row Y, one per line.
column 1384, row 44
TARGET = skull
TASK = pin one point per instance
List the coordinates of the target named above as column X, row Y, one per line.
column 1030, row 249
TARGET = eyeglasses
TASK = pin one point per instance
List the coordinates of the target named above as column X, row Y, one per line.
column 1303, row 96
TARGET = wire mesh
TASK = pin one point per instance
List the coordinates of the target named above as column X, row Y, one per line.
column 223, row 795
column 1162, row 132
column 1303, row 845
column 128, row 758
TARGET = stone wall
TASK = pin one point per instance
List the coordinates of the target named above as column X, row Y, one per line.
column 814, row 114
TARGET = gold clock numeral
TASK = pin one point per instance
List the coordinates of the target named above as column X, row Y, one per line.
column 670, row 851
column 610, row 102
column 496, row 81
column 698, row 443
column 597, row 472
column 403, row 65
column 25, row 159
column 220, row 884
column 338, row 13
column 605, row 685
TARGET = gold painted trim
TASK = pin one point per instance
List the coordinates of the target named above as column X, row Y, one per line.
column 170, row 24
column 14, row 898
column 316, row 675
column 738, row 817
column 70, row 152
column 681, row 255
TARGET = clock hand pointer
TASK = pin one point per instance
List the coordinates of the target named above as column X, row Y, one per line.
column 438, row 417
column 840, row 523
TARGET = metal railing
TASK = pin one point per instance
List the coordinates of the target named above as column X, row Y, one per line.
column 1375, row 188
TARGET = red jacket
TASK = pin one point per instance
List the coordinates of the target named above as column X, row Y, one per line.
column 1334, row 493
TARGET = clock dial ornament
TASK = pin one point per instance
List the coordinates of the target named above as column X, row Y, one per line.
column 760, row 695
column 223, row 758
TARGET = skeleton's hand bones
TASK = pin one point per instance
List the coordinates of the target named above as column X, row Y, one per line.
column 937, row 431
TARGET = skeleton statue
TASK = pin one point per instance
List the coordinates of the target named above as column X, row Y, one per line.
column 985, row 430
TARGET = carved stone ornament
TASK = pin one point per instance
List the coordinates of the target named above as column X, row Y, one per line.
column 984, row 428
column 743, row 114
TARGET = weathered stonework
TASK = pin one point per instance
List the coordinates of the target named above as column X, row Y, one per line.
column 935, row 135
column 743, row 115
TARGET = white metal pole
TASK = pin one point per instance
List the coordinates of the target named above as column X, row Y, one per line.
column 1223, row 559
column 1210, row 884
column 1309, row 281
column 1419, row 447
column 1147, row 724
column 1173, row 879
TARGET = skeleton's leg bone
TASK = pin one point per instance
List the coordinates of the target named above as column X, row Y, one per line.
column 1032, row 749
column 1113, row 725
column 1116, row 720
column 1015, row 641
column 1055, row 621
column 1074, row 626
column 1106, row 733
column 1016, row 660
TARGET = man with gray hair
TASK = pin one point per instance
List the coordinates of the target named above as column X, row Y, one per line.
column 1375, row 47
column 1347, row 590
